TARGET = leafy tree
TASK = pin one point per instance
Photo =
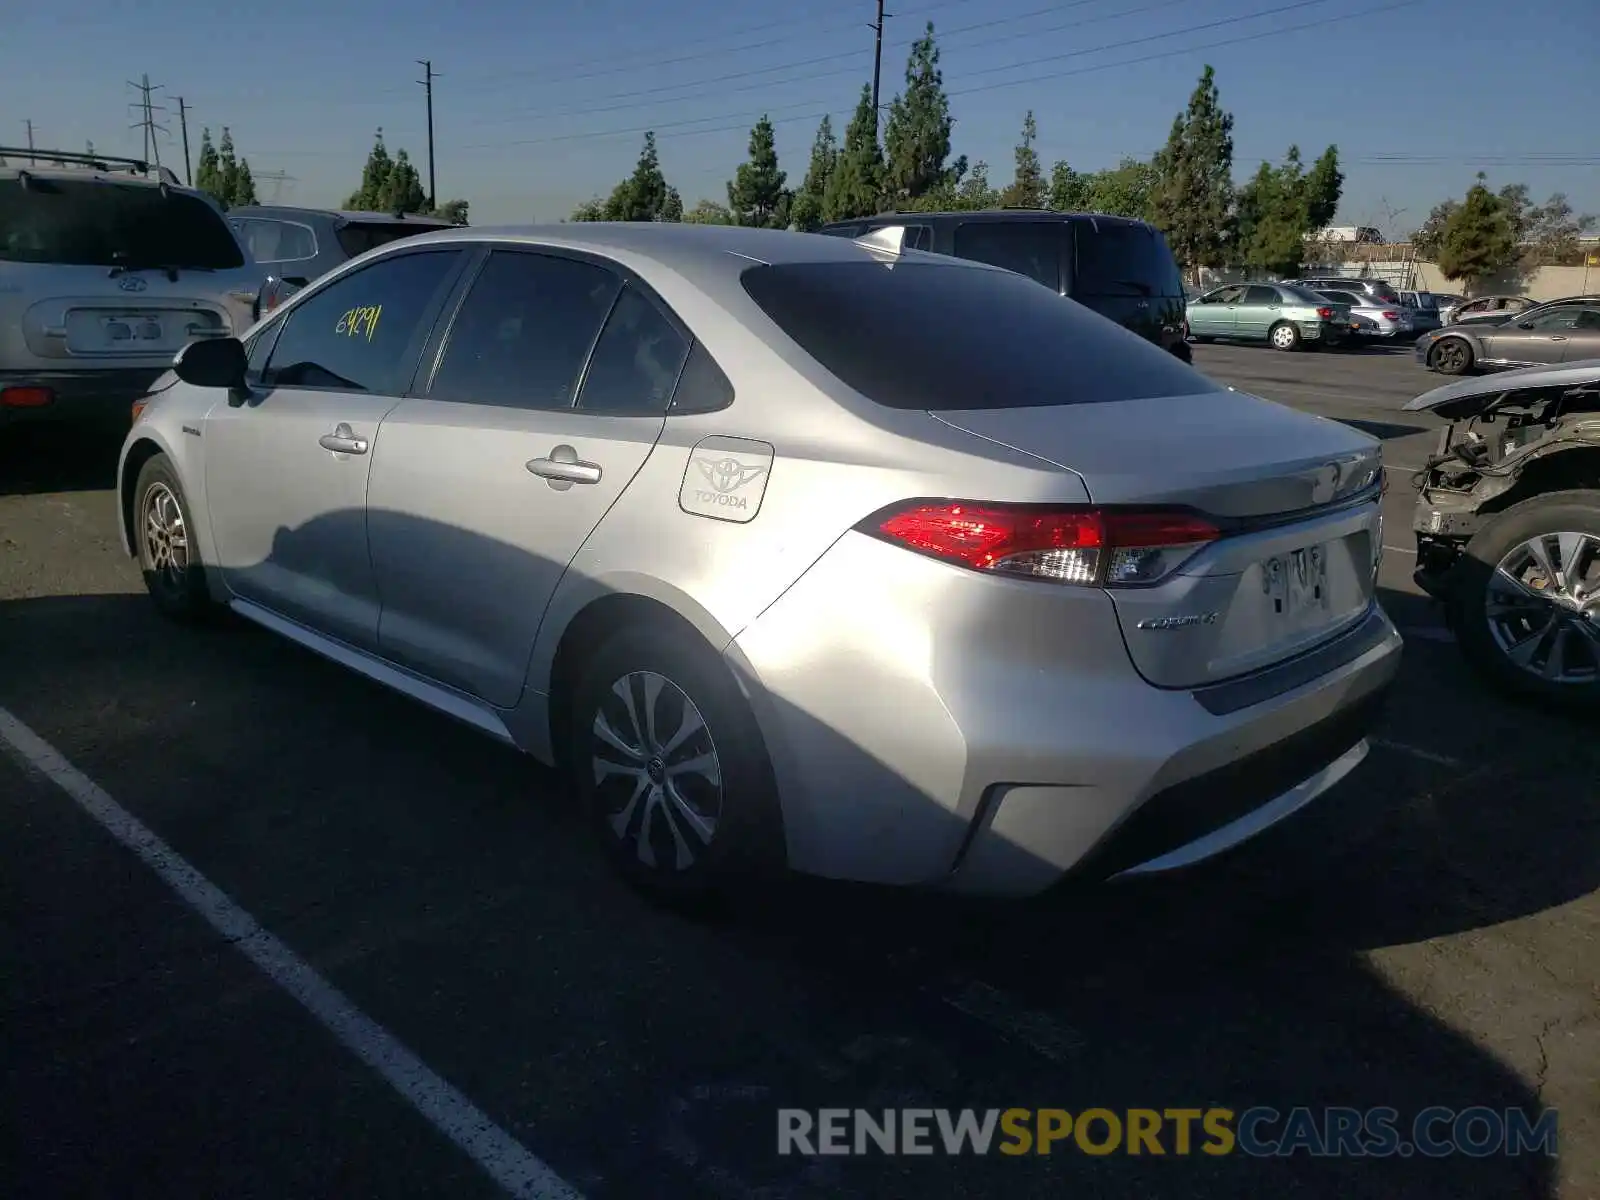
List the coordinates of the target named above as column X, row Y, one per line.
column 1426, row 240
column 1518, row 208
column 974, row 193
column 643, row 195
column 1194, row 188
column 1553, row 233
column 1069, row 189
column 1479, row 238
column 672, row 209
column 388, row 184
column 244, row 185
column 1324, row 185
column 855, row 188
column 207, row 172
column 1027, row 188
column 592, row 209
column 1123, row 190
column 1273, row 217
column 916, row 139
column 806, row 209
column 756, row 194
column 708, row 212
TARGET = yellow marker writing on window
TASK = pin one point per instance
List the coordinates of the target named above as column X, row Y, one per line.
column 358, row 322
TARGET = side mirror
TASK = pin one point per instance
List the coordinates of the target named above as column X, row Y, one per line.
column 1524, row 324
column 212, row 363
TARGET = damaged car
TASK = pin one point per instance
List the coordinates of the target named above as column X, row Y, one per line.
column 1508, row 527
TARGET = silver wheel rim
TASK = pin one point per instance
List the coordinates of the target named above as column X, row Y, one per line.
column 1543, row 607
column 166, row 536
column 1452, row 354
column 656, row 772
column 1283, row 337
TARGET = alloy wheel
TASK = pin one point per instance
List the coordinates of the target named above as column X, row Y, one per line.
column 1450, row 356
column 1283, row 337
column 1543, row 607
column 657, row 775
column 166, row 536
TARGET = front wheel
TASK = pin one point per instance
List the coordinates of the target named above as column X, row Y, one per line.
column 1284, row 336
column 1452, row 356
column 1527, row 610
column 669, row 766
column 164, row 539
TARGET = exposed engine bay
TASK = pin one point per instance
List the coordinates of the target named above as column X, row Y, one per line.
column 1504, row 445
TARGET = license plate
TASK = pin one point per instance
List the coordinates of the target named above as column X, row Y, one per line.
column 1297, row 582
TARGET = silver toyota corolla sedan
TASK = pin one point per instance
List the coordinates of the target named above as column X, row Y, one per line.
column 794, row 551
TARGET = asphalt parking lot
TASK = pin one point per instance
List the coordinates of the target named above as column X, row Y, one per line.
column 1432, row 939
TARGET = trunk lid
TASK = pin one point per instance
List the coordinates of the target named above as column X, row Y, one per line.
column 1297, row 564
column 83, row 314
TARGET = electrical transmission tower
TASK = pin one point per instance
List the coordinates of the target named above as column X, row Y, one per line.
column 148, row 110
column 277, row 179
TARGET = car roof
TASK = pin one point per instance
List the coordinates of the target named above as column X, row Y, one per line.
column 346, row 214
column 689, row 248
column 991, row 215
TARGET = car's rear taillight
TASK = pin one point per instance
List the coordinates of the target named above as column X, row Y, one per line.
column 1325, row 313
column 26, row 397
column 1391, row 316
column 1095, row 546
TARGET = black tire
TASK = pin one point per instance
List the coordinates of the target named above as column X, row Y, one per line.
column 1450, row 356
column 1284, row 336
column 176, row 582
column 1557, row 512
column 747, row 843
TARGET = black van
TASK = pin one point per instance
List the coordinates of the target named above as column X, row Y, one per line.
column 1120, row 268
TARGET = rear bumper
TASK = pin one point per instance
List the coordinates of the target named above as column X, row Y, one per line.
column 930, row 726
column 89, row 397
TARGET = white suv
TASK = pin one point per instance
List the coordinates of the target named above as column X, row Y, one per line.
column 108, row 267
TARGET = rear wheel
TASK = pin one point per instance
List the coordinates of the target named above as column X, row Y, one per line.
column 668, row 763
column 1284, row 336
column 1527, row 613
column 1451, row 356
column 164, row 539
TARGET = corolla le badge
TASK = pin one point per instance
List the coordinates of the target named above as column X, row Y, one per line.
column 132, row 283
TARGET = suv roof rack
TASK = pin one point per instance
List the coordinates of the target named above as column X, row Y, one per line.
column 100, row 162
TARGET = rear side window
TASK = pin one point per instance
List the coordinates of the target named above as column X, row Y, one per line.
column 1261, row 295
column 1124, row 260
column 524, row 332
column 77, row 222
column 636, row 362
column 364, row 332
column 1031, row 248
column 949, row 337
column 702, row 387
column 358, row 237
column 276, row 241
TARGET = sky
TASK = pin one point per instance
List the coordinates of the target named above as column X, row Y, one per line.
column 538, row 107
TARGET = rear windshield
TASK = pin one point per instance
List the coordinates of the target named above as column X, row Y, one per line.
column 80, row 222
column 359, row 236
column 1124, row 260
column 939, row 337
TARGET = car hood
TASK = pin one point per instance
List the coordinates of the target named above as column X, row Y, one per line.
column 1467, row 397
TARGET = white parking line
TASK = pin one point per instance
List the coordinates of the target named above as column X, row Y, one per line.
column 1443, row 760
column 506, row 1160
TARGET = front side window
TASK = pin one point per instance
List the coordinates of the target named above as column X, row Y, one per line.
column 524, row 331
column 363, row 333
column 1031, row 248
column 636, row 362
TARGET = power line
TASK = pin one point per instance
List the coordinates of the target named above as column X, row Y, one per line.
column 945, row 37
column 1390, row 6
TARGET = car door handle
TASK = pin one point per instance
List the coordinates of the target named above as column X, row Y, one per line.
column 564, row 466
column 343, row 440
column 1558, row 337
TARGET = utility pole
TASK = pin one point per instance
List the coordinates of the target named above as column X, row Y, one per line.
column 426, row 81
column 183, row 124
column 29, row 123
column 877, row 64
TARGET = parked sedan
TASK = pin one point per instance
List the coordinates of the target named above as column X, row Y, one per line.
column 788, row 558
column 1280, row 314
column 1425, row 309
column 1552, row 333
column 1391, row 321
